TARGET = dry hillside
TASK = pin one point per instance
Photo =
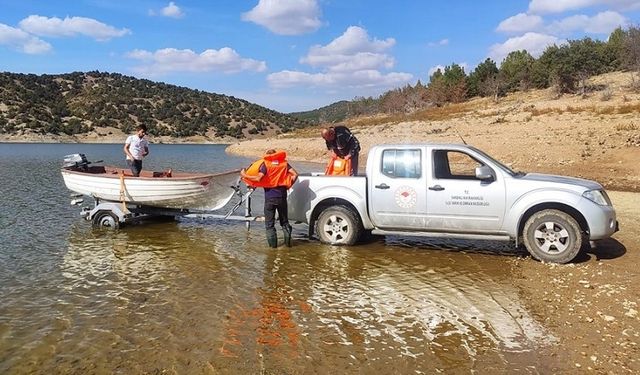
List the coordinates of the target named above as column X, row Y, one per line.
column 595, row 136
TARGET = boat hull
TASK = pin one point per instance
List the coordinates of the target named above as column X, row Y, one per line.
column 174, row 190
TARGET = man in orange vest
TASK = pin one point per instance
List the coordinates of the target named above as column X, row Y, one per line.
column 342, row 143
column 276, row 176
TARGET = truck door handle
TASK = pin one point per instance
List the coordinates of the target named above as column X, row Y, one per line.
column 382, row 186
column 436, row 188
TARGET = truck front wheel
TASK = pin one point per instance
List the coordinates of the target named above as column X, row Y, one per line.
column 552, row 236
column 338, row 225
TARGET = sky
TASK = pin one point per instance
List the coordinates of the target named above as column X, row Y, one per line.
column 291, row 55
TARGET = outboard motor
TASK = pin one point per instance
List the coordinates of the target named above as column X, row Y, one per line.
column 76, row 161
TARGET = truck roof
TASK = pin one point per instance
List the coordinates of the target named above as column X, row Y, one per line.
column 423, row 144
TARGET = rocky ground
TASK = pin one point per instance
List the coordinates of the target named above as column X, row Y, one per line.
column 591, row 305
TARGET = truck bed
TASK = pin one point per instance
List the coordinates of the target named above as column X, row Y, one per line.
column 312, row 189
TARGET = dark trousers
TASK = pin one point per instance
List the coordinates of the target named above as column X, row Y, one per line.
column 136, row 167
column 354, row 165
column 271, row 205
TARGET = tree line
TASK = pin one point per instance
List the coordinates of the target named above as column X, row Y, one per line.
column 564, row 67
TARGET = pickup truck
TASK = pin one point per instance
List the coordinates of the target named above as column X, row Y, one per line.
column 451, row 190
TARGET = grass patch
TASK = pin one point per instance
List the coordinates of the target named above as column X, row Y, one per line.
column 626, row 127
column 608, row 110
column 446, row 112
column 629, row 108
column 544, row 111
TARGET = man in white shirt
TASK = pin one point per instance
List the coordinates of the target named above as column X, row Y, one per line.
column 136, row 148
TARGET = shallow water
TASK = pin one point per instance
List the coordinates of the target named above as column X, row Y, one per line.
column 197, row 295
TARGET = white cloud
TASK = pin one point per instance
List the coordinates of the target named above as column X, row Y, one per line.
column 167, row 60
column 22, row 41
column 359, row 79
column 172, row 10
column 534, row 43
column 605, row 22
column 519, row 23
column 442, row 42
column 355, row 39
column 286, row 17
column 559, row 6
column 70, row 26
column 351, row 51
column 601, row 23
column 351, row 60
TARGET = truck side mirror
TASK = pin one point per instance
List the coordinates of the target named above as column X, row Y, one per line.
column 484, row 173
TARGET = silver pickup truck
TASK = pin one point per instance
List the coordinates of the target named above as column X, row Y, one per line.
column 450, row 190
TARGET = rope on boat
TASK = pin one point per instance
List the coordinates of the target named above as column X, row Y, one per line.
column 122, row 189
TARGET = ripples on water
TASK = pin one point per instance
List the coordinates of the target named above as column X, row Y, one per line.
column 204, row 295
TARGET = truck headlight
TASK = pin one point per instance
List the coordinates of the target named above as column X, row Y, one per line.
column 597, row 196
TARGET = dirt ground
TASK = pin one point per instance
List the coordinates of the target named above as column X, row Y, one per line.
column 591, row 305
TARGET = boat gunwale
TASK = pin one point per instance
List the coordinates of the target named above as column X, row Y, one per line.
column 180, row 175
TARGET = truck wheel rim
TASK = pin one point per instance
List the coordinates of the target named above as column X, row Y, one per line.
column 551, row 237
column 336, row 228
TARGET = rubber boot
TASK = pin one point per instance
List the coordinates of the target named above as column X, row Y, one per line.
column 287, row 235
column 272, row 238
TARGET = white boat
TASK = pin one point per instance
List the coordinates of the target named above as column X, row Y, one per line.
column 169, row 189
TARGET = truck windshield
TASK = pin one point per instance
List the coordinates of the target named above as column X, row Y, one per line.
column 497, row 163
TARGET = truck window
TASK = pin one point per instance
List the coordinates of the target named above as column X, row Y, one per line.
column 449, row 164
column 401, row 163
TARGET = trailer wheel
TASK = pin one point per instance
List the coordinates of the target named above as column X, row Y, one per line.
column 552, row 236
column 338, row 225
column 106, row 219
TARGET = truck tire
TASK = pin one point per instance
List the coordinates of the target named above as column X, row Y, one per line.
column 338, row 225
column 552, row 236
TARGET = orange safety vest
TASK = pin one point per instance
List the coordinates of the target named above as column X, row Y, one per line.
column 277, row 171
column 338, row 167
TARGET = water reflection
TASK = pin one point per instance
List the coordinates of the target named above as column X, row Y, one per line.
column 198, row 295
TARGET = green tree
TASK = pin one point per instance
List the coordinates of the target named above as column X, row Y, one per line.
column 516, row 70
column 579, row 60
column 478, row 80
column 455, row 81
column 615, row 48
column 544, row 67
column 437, row 89
column 631, row 54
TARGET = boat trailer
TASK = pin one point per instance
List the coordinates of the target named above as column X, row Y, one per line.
column 109, row 214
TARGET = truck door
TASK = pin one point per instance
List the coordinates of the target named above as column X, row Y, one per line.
column 397, row 197
column 457, row 200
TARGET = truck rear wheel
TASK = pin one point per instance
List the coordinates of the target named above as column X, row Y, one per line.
column 338, row 225
column 552, row 236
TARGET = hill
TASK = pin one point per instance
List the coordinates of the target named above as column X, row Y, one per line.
column 333, row 113
column 80, row 104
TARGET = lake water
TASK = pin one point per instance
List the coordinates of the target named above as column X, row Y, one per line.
column 208, row 296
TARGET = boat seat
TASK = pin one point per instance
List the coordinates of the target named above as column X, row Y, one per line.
column 166, row 173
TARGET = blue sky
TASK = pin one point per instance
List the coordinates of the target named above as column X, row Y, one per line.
column 290, row 55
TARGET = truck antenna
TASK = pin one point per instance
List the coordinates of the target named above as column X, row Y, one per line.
column 459, row 135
